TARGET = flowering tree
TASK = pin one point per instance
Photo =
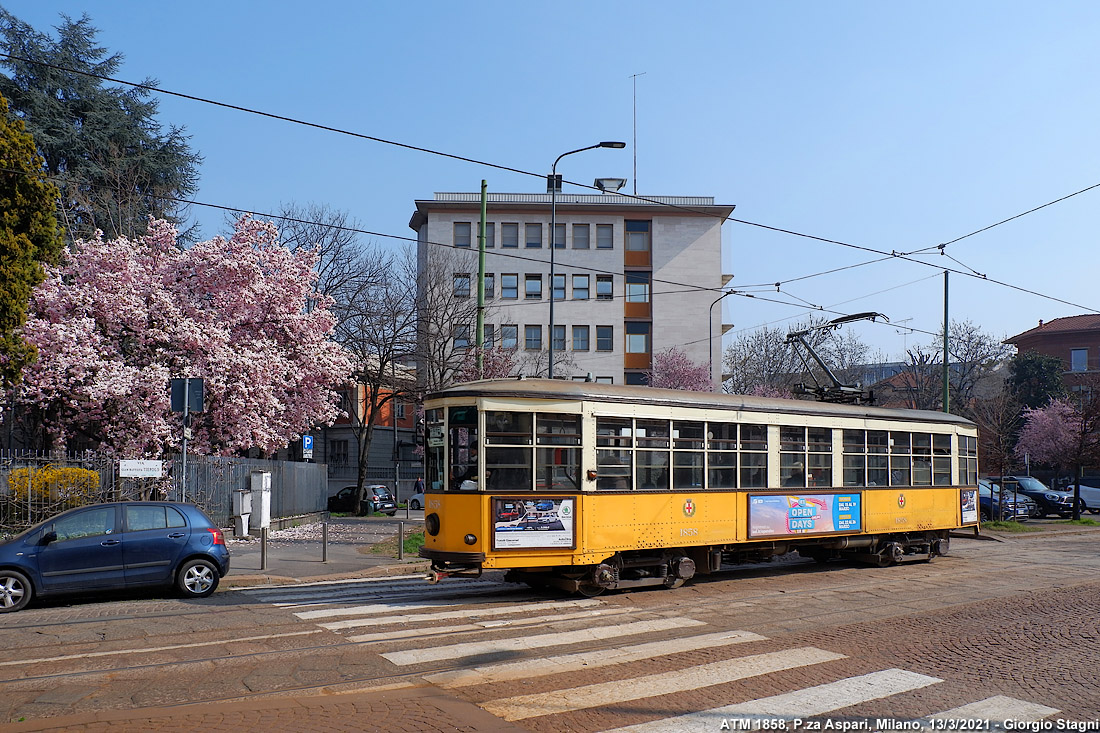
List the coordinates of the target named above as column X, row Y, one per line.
column 118, row 319
column 1063, row 434
column 672, row 369
column 496, row 363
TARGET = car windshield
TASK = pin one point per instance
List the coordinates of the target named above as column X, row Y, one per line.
column 1031, row 483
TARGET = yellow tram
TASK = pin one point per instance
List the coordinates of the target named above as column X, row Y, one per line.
column 588, row 486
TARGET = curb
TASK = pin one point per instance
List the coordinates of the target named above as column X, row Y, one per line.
column 389, row 569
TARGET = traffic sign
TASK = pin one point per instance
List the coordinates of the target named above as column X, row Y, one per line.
column 307, row 446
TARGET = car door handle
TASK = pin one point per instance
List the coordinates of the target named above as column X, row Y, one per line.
column 108, row 543
column 177, row 535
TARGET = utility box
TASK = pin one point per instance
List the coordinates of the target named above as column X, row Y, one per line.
column 242, row 510
column 261, row 500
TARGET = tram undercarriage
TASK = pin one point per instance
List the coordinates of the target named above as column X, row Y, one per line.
column 672, row 567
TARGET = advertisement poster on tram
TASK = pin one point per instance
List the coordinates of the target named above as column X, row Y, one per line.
column 968, row 498
column 532, row 523
column 792, row 514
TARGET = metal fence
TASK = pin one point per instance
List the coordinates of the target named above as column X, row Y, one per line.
column 36, row 485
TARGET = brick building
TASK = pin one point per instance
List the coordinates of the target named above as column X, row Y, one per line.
column 1074, row 339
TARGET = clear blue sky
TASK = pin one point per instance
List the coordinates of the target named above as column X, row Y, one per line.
column 894, row 126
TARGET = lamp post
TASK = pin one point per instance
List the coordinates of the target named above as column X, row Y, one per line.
column 553, row 183
column 710, row 329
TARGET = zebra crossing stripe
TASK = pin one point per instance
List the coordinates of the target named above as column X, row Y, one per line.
column 798, row 704
column 540, row 641
column 464, row 613
column 999, row 706
column 693, row 678
column 421, row 632
column 587, row 660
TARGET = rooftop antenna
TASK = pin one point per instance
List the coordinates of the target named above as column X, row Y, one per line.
column 634, row 145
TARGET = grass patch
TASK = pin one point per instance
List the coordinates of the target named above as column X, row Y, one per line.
column 1082, row 522
column 413, row 542
column 1010, row 527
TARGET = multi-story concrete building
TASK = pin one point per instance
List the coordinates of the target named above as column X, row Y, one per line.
column 632, row 276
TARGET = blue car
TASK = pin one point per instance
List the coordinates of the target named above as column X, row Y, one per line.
column 114, row 546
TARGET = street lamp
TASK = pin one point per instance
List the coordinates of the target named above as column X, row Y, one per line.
column 553, row 184
column 710, row 329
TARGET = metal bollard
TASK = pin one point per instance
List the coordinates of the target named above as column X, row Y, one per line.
column 324, row 541
column 263, row 549
column 400, row 540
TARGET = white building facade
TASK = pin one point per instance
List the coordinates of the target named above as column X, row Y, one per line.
column 632, row 277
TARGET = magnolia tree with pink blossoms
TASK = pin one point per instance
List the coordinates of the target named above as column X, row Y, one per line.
column 1063, row 434
column 672, row 369
column 118, row 319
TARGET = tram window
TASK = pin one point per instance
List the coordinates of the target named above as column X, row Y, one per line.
column 688, row 435
column 722, row 436
column 819, row 440
column 723, row 470
column 433, row 452
column 854, row 442
column 508, row 469
column 613, row 468
column 652, row 469
column 687, row 470
column 820, row 469
column 508, row 428
column 855, row 467
column 462, row 448
column 652, row 433
column 899, row 443
column 754, row 437
column 878, row 470
column 792, row 439
column 922, row 471
column 968, row 460
column 792, row 469
column 614, row 432
column 878, row 441
column 941, row 445
column 941, row 470
column 558, row 430
column 558, row 468
column 754, row 470
column 922, row 444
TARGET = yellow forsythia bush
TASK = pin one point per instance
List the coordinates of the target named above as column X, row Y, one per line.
column 54, row 483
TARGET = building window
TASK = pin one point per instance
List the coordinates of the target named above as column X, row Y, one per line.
column 462, row 234
column 338, row 452
column 559, row 287
column 399, row 410
column 509, row 285
column 490, row 285
column 509, row 336
column 462, row 285
column 604, row 290
column 636, row 378
column 509, row 235
column 605, row 380
column 533, row 235
column 605, row 338
column 637, row 337
column 1079, row 360
column 489, row 336
column 533, row 287
column 532, row 337
column 559, row 236
column 637, row 287
column 637, row 236
column 580, row 287
column 559, row 338
column 605, row 238
column 490, row 234
column 580, row 338
column 462, row 335
column 580, row 236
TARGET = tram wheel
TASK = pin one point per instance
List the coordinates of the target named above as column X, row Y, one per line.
column 590, row 590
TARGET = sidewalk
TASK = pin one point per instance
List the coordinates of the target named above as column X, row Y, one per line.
column 294, row 555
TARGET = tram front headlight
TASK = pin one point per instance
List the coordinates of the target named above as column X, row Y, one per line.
column 470, row 539
column 431, row 524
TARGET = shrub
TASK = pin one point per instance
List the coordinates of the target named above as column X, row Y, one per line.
column 71, row 486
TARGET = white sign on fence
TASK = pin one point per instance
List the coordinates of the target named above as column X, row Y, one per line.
column 141, row 469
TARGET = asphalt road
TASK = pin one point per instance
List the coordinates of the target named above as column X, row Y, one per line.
column 995, row 631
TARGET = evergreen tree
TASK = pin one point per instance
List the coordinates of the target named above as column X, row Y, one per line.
column 1035, row 379
column 102, row 144
column 29, row 237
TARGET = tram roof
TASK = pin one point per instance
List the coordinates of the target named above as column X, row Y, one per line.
column 560, row 389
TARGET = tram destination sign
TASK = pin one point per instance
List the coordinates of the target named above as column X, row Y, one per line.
column 783, row 515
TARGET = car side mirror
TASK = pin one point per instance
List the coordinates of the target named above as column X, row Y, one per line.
column 49, row 537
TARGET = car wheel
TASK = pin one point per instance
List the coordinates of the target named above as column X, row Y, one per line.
column 985, row 516
column 197, row 579
column 15, row 591
column 414, row 504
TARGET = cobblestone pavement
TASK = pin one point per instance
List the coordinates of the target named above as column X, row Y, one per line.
column 1008, row 625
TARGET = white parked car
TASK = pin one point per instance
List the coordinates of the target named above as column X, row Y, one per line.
column 1090, row 495
column 416, row 501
